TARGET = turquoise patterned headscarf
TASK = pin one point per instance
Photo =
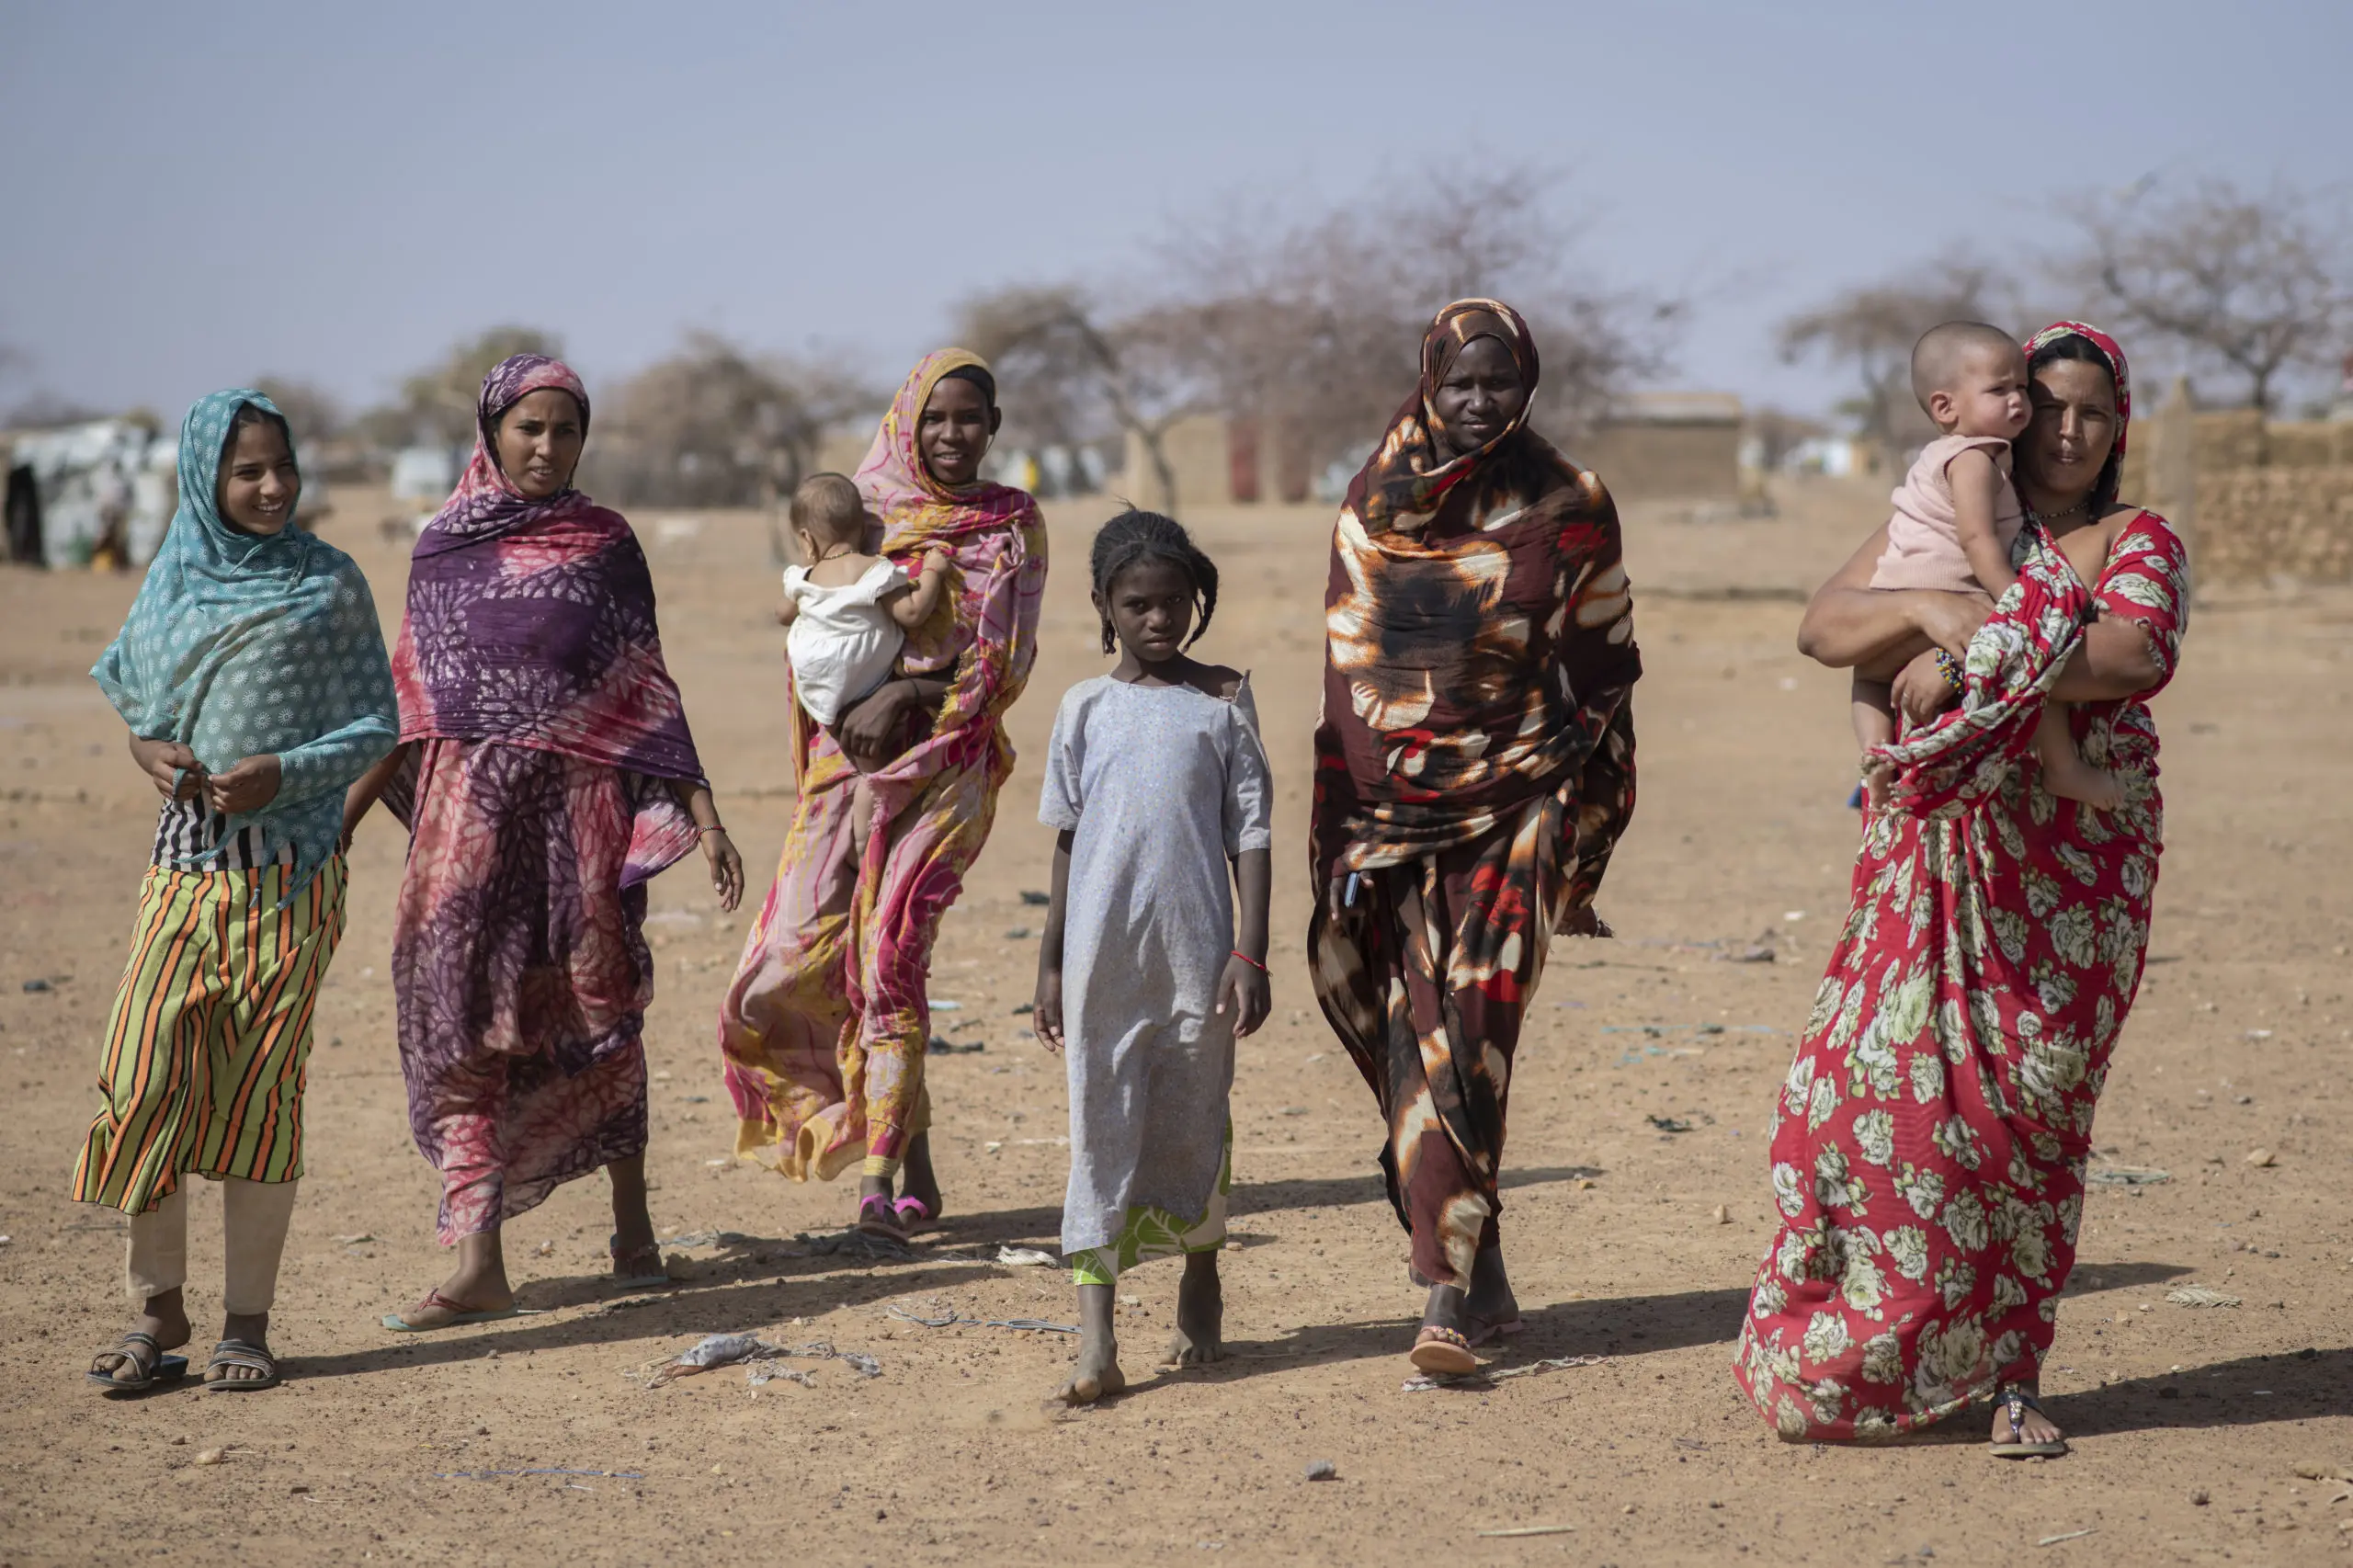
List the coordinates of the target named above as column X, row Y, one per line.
column 241, row 644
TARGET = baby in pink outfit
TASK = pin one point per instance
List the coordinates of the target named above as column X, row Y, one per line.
column 1957, row 518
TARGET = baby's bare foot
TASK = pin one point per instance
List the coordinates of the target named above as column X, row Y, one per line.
column 2100, row 790
column 1199, row 1338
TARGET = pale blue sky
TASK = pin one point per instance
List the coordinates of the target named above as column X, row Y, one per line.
column 190, row 196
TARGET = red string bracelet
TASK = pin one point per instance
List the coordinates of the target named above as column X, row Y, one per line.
column 1254, row 963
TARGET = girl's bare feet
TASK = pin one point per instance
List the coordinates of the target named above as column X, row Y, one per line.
column 1098, row 1374
column 1199, row 1338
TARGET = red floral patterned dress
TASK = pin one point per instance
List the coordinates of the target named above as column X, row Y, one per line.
column 1928, row 1145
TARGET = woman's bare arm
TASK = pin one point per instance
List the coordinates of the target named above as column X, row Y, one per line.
column 2114, row 662
column 361, row 797
column 1849, row 624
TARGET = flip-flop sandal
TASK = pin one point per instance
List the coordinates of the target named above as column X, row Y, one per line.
column 144, row 1354
column 241, row 1353
column 1443, row 1352
column 464, row 1314
column 876, row 1217
column 2017, row 1404
column 659, row 1277
column 913, row 1214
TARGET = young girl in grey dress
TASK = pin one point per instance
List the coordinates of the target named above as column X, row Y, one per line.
column 1158, row 783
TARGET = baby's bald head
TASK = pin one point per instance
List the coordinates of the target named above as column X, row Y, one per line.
column 1945, row 352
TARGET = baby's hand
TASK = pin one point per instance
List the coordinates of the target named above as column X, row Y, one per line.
column 934, row 560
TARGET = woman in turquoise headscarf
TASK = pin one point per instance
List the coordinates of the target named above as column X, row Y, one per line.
column 253, row 675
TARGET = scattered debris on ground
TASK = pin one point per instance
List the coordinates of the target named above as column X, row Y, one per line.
column 2200, row 1296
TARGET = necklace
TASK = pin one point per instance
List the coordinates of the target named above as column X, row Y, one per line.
column 2048, row 517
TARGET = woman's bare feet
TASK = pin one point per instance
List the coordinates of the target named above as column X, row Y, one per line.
column 2031, row 1431
column 478, row 1285
column 1199, row 1338
column 1098, row 1374
column 250, row 1328
column 162, row 1318
column 1479, row 1313
column 916, row 1179
column 1490, row 1308
column 636, row 1255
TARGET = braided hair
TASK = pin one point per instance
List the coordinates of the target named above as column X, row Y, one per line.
column 1134, row 536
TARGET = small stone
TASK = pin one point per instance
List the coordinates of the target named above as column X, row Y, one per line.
column 1584, row 1184
column 212, row 1456
column 1627, row 1509
column 2263, row 1157
column 1724, row 1215
column 2200, row 1497
column 179, row 1442
column 482, row 1431
column 1322, row 1469
column 298, row 1489
column 35, row 985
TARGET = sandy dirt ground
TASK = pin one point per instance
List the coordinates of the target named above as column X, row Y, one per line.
column 539, row 1436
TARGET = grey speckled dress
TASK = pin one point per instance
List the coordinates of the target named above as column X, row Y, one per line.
column 1159, row 787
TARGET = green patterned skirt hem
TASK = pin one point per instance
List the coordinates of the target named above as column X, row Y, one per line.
column 1153, row 1231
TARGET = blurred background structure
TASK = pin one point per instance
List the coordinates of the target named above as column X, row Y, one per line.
column 1200, row 269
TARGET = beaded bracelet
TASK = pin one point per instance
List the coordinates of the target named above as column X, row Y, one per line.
column 1949, row 667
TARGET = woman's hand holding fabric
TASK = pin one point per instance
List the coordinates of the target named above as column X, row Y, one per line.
column 247, row 787
column 1920, row 689
column 178, row 775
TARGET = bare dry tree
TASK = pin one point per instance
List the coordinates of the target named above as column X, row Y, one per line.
column 1313, row 322
column 312, row 411
column 1065, row 365
column 2254, row 282
column 1308, row 323
column 713, row 426
column 437, row 404
column 1871, row 328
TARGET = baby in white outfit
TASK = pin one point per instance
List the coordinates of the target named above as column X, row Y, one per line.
column 849, row 612
column 1957, row 516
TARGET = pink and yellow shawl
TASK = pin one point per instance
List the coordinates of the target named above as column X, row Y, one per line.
column 825, row 1025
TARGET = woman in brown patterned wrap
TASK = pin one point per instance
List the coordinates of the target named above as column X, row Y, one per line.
column 1474, row 768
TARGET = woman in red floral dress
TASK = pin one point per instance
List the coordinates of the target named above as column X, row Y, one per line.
column 1928, row 1145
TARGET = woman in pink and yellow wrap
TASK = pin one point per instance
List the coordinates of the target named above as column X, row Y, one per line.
column 825, row 1025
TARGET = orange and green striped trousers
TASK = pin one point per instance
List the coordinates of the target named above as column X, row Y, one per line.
column 209, row 1038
